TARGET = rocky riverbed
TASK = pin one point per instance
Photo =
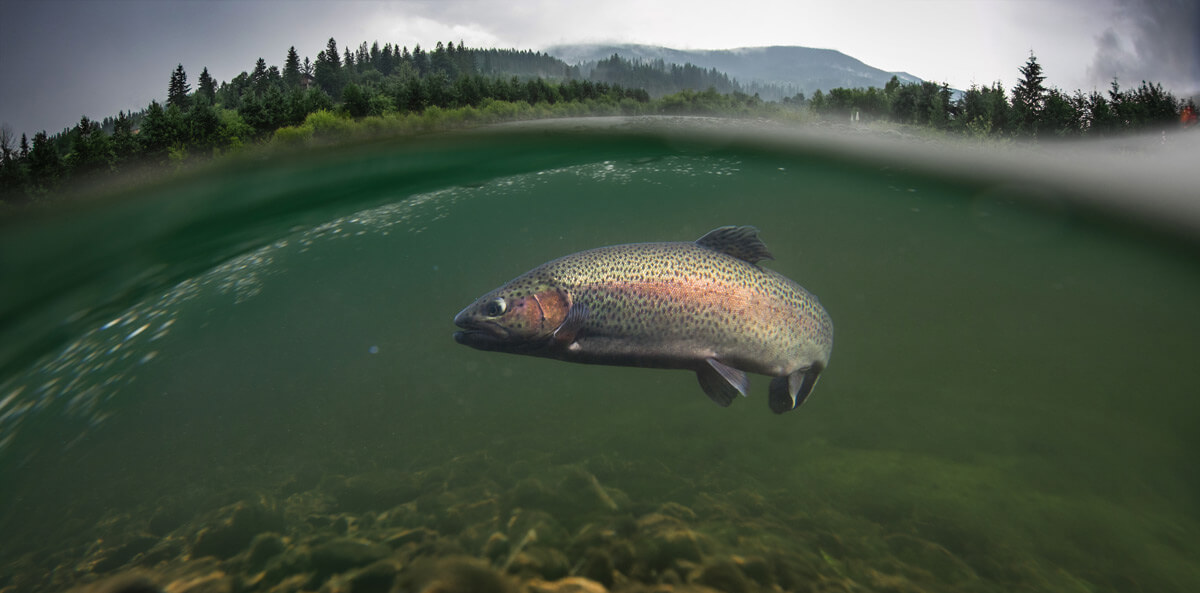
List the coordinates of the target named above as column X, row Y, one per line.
column 476, row 524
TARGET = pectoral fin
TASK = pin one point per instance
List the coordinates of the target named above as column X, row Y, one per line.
column 568, row 331
column 788, row 392
column 722, row 382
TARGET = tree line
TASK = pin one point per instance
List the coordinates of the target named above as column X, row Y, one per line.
column 1031, row 110
column 213, row 118
column 305, row 99
column 659, row 78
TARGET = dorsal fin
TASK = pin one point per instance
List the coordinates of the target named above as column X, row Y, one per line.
column 741, row 242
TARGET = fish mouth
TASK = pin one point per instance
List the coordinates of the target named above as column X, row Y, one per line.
column 477, row 338
column 484, row 336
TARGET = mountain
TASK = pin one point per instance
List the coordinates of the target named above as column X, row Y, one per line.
column 777, row 70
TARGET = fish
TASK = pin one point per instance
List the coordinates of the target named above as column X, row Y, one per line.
column 706, row 306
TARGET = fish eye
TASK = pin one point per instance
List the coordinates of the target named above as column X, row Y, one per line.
column 495, row 307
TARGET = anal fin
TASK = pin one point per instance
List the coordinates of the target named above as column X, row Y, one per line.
column 722, row 382
column 789, row 391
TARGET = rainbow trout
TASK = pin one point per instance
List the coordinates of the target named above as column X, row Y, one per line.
column 704, row 306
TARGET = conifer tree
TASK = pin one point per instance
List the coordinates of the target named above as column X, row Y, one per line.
column 441, row 60
column 387, row 59
column 124, row 143
column 331, row 54
column 362, row 57
column 45, row 164
column 376, row 57
column 207, row 87
column 178, row 89
column 6, row 141
column 1029, row 96
column 92, row 150
column 420, row 60
column 259, row 80
column 291, row 69
column 328, row 73
column 155, row 132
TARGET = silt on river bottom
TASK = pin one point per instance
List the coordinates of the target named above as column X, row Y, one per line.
column 243, row 379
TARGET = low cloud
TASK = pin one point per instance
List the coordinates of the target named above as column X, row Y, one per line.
column 1151, row 40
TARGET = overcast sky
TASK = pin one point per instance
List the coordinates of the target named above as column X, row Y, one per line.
column 61, row 59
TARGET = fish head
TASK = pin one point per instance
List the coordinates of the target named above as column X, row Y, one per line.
column 514, row 317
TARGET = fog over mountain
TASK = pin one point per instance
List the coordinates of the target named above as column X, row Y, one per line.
column 792, row 68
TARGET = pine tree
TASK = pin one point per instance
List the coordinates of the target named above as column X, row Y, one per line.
column 387, row 60
column 206, row 87
column 178, row 89
column 91, row 151
column 331, row 54
column 362, row 57
column 124, row 143
column 291, row 69
column 6, row 143
column 259, row 79
column 154, row 134
column 328, row 72
column 202, row 124
column 441, row 60
column 420, row 60
column 45, row 164
column 1029, row 96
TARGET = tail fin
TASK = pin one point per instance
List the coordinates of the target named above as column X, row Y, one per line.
column 788, row 392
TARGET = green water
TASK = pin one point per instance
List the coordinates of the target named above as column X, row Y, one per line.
column 1010, row 404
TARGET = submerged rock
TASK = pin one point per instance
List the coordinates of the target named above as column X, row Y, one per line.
column 623, row 556
column 411, row 536
column 930, row 557
column 666, row 546
column 375, row 491
column 548, row 563
column 598, row 566
column 533, row 493
column 453, row 575
column 722, row 575
column 166, row 519
column 342, row 554
column 263, row 547
column 236, row 526
column 121, row 555
column 496, row 546
column 376, row 578
column 567, row 585
column 125, row 583
column 756, row 568
column 677, row 511
column 213, row 582
column 549, row 531
column 287, row 566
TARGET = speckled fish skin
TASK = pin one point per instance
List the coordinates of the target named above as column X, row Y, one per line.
column 705, row 306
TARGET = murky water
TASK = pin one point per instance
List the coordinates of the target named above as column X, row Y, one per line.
column 1011, row 402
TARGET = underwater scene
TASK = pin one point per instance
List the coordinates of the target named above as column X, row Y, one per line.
column 244, row 378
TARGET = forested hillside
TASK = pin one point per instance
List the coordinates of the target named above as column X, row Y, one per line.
column 390, row 89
